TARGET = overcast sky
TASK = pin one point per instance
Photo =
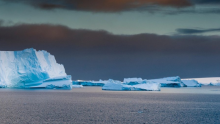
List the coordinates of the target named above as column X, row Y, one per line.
column 102, row 39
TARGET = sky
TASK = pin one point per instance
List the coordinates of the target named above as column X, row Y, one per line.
column 102, row 39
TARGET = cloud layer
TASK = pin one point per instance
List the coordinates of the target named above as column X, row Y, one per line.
column 196, row 31
column 102, row 5
column 64, row 36
column 89, row 54
column 112, row 5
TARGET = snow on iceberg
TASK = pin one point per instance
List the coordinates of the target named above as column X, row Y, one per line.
column 31, row 69
column 118, row 86
column 90, row 83
column 169, row 81
column 191, row 83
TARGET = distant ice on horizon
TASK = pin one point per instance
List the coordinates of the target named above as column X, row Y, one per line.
column 191, row 83
column 207, row 80
column 119, row 86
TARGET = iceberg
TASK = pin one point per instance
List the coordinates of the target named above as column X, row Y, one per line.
column 169, row 81
column 77, row 86
column 118, row 86
column 191, row 83
column 32, row 69
column 113, row 85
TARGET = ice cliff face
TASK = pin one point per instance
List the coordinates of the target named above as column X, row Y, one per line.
column 28, row 68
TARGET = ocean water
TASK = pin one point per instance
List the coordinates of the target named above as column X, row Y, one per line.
column 92, row 105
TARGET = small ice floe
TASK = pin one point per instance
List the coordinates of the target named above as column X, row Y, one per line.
column 77, row 86
column 90, row 83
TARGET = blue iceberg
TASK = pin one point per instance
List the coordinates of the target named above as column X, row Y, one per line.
column 191, row 83
column 164, row 82
column 32, row 69
column 169, row 82
column 119, row 86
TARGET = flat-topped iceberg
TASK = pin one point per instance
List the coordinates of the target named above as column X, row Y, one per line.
column 169, row 81
column 119, row 86
column 191, row 83
column 32, row 69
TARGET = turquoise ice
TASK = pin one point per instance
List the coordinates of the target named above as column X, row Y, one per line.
column 32, row 69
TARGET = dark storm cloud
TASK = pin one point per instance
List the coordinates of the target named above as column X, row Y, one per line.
column 88, row 54
column 78, row 38
column 163, row 6
column 205, row 1
column 102, row 5
column 196, row 31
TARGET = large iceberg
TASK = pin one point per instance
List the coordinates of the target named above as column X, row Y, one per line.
column 119, row 86
column 32, row 69
column 169, row 81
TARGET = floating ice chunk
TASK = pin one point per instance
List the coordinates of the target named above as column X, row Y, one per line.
column 169, row 81
column 77, row 86
column 90, row 83
column 143, row 87
column 191, row 83
column 27, row 68
column 113, row 85
column 118, row 86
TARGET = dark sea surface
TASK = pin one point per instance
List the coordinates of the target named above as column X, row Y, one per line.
column 90, row 105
